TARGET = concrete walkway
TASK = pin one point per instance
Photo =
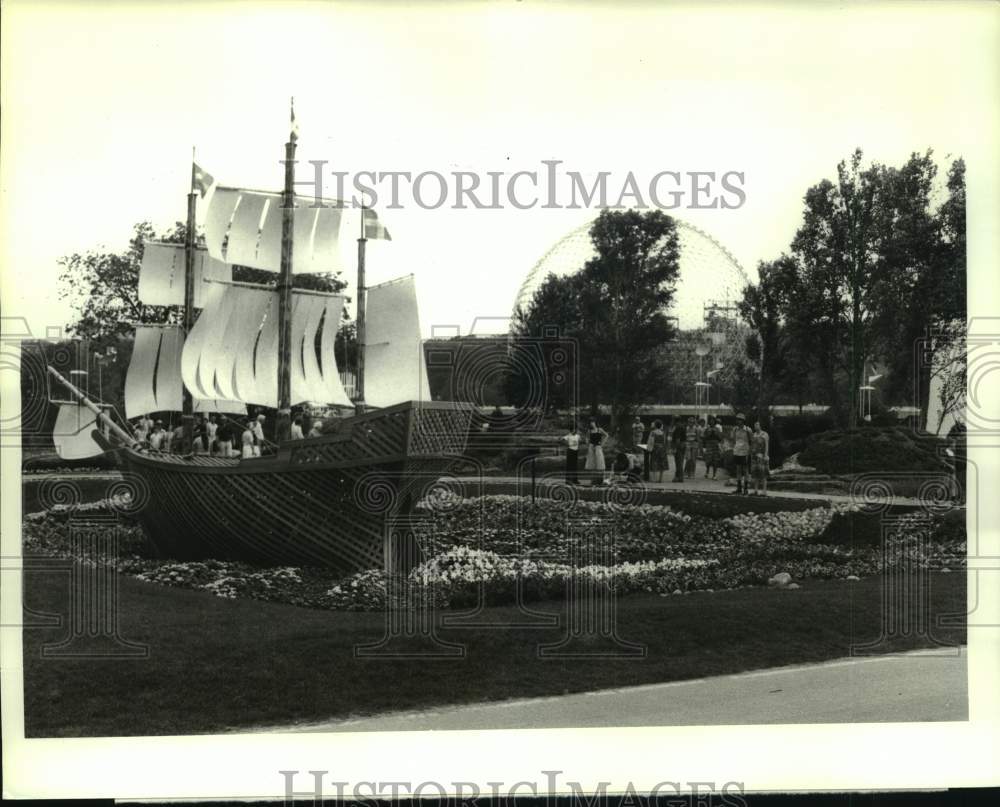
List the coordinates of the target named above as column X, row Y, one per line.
column 926, row 685
column 699, row 484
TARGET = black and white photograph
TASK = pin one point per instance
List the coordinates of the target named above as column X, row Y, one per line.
column 499, row 399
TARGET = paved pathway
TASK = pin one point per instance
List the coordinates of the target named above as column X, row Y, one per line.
column 699, row 484
column 928, row 685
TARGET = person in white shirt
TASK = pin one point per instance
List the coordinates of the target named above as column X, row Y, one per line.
column 317, row 428
column 258, row 435
column 157, row 436
column 572, row 441
column 297, row 428
column 211, row 432
column 247, row 442
column 141, row 432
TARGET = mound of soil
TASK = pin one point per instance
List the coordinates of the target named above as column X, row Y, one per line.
column 872, row 448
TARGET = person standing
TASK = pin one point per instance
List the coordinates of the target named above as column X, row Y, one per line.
column 741, row 453
column 157, row 436
column 760, row 444
column 679, row 439
column 572, row 441
column 595, row 453
column 247, row 441
column 296, row 431
column 691, row 437
column 224, row 440
column 637, row 431
column 711, row 441
column 258, row 435
column 198, row 440
column 141, row 430
column 656, row 449
column 211, row 433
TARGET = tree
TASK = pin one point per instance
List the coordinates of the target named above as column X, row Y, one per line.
column 631, row 284
column 102, row 287
column 547, row 348
column 761, row 308
column 614, row 308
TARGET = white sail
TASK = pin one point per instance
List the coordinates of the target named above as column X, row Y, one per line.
column 169, row 395
column 140, row 393
column 244, row 227
column 161, row 275
column 395, row 370
column 306, row 377
column 153, row 380
column 232, row 351
column 335, row 393
column 71, row 433
column 193, row 345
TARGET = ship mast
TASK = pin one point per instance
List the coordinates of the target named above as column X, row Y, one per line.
column 284, row 421
column 187, row 401
column 359, row 394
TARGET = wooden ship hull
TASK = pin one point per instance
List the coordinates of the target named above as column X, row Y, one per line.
column 328, row 501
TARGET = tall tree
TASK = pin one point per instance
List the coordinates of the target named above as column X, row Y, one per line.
column 631, row 283
column 550, row 329
column 761, row 307
column 614, row 308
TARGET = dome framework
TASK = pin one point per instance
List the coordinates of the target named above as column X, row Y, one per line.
column 711, row 336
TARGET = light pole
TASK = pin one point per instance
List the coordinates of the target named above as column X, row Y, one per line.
column 701, row 350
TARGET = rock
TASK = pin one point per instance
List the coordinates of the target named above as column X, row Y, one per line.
column 852, row 577
column 781, row 579
column 946, row 571
column 710, row 590
column 678, row 591
column 792, row 585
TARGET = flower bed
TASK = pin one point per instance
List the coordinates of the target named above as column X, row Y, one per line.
column 488, row 549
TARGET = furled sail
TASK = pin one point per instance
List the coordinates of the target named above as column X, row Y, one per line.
column 153, row 381
column 161, row 275
column 395, row 369
column 71, row 433
column 232, row 351
column 244, row 227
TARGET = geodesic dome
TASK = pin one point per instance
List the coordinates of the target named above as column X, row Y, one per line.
column 708, row 272
column 711, row 338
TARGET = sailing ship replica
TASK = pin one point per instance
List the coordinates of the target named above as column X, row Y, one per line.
column 328, row 500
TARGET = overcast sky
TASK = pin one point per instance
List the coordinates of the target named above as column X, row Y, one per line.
column 102, row 103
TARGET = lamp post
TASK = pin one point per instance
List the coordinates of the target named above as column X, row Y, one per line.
column 865, row 396
column 701, row 350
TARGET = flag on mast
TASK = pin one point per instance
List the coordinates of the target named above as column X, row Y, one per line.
column 293, row 134
column 201, row 180
column 374, row 228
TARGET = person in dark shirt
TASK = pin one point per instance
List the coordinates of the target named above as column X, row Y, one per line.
column 679, row 437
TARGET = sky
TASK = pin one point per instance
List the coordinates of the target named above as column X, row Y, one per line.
column 102, row 103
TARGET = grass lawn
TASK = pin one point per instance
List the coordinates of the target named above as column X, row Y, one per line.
column 219, row 664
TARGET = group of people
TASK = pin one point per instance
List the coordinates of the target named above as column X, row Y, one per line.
column 229, row 438
column 689, row 440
